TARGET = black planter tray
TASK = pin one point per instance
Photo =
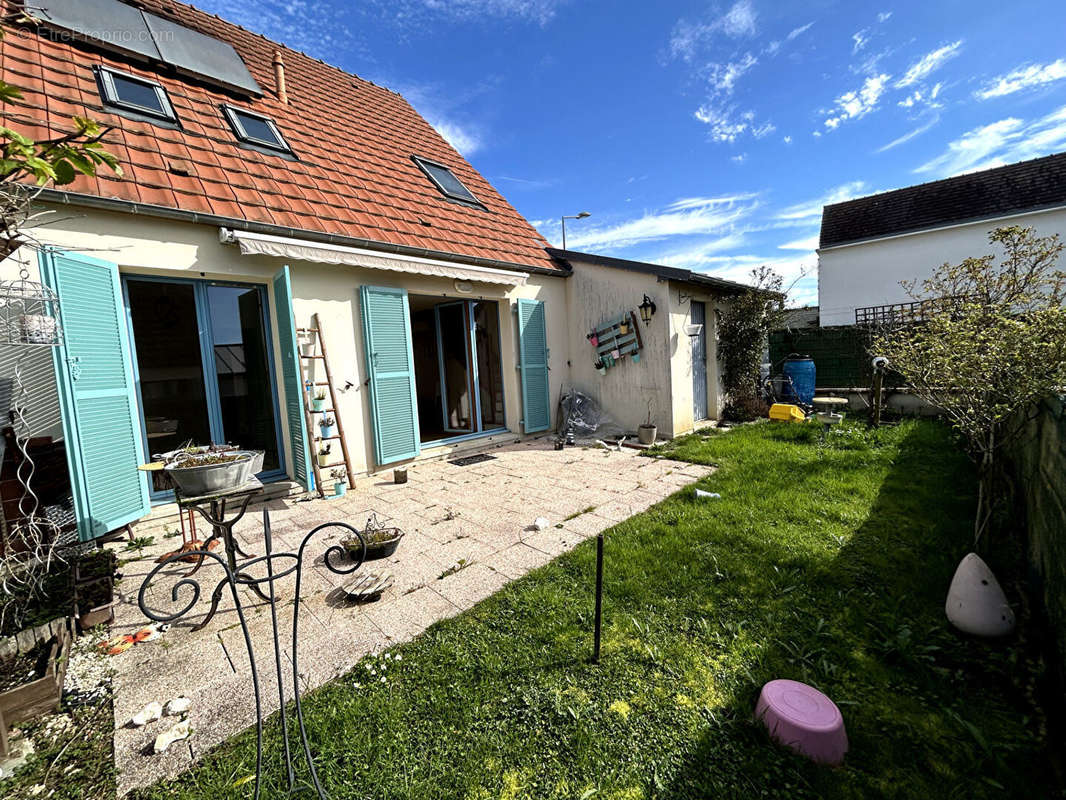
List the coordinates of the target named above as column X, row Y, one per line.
column 375, row 550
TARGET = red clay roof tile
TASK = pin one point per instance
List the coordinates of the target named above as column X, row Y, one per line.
column 352, row 176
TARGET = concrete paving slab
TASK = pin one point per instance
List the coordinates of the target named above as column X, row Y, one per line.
column 493, row 506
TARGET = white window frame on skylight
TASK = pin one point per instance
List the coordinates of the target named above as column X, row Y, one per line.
column 423, row 162
column 107, row 77
column 232, row 116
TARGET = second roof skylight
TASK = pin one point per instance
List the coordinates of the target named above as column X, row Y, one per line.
column 255, row 129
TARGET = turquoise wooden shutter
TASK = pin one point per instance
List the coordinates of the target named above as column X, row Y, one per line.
column 390, row 365
column 533, row 363
column 291, row 378
column 94, row 374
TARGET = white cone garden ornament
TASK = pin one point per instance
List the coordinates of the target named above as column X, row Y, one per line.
column 976, row 603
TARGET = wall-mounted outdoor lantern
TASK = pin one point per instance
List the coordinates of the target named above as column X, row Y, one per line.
column 647, row 310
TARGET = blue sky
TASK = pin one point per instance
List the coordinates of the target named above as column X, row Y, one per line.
column 703, row 135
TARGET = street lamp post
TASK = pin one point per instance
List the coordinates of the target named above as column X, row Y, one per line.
column 565, row 217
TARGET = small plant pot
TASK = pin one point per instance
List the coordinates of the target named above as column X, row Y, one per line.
column 96, row 566
column 623, row 328
column 594, row 340
column 602, row 369
column 318, row 404
column 340, row 488
column 94, row 603
column 307, row 345
column 328, row 431
column 323, row 459
column 646, row 434
column 399, row 475
column 635, row 358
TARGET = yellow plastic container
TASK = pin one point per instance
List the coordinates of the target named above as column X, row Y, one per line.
column 786, row 412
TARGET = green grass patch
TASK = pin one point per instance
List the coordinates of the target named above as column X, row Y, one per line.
column 826, row 563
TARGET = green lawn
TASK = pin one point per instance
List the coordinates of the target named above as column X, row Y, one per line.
column 823, row 563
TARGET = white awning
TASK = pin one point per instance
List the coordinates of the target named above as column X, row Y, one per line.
column 303, row 250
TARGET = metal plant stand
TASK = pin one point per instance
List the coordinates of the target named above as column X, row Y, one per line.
column 278, row 566
column 221, row 528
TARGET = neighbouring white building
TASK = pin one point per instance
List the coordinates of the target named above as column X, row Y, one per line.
column 869, row 245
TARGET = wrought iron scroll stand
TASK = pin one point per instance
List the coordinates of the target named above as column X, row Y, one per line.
column 235, row 579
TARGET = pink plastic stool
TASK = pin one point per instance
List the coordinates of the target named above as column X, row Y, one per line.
column 804, row 720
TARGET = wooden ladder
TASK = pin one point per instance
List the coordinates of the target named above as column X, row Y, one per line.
column 307, row 377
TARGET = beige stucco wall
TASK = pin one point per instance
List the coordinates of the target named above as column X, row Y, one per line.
column 147, row 246
column 598, row 293
column 680, row 298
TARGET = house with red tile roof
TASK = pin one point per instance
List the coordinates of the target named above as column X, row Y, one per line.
column 293, row 260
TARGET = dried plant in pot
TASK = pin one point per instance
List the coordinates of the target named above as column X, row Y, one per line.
column 198, row 472
column 94, row 602
column 647, row 431
column 318, row 402
column 381, row 541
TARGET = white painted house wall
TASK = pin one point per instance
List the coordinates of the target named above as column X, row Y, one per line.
column 868, row 273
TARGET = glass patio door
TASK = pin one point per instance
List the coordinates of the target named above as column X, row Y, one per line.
column 456, row 373
column 203, row 367
column 470, row 368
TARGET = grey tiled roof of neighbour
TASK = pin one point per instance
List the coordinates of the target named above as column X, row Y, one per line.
column 1027, row 185
column 658, row 270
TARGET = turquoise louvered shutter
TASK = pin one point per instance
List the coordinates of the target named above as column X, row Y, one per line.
column 94, row 374
column 390, row 365
column 533, row 363
column 290, row 375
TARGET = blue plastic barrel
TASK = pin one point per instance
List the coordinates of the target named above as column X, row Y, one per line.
column 801, row 370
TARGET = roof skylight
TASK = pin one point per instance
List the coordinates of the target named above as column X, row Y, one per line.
column 255, row 129
column 445, row 180
column 134, row 93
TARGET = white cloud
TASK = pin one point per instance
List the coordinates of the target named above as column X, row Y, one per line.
column 909, row 135
column 727, row 125
column 765, row 129
column 802, row 29
column 1001, row 142
column 860, row 40
column 925, row 98
column 798, row 272
column 723, row 77
column 538, row 11
column 928, row 64
column 689, row 36
column 739, row 158
column 812, row 209
column 685, row 217
column 739, row 20
column 787, row 140
column 300, row 24
column 465, row 140
column 883, row 16
column 810, row 243
column 1024, row 77
column 857, row 104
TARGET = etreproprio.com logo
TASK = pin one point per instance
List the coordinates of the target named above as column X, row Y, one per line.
column 112, row 37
